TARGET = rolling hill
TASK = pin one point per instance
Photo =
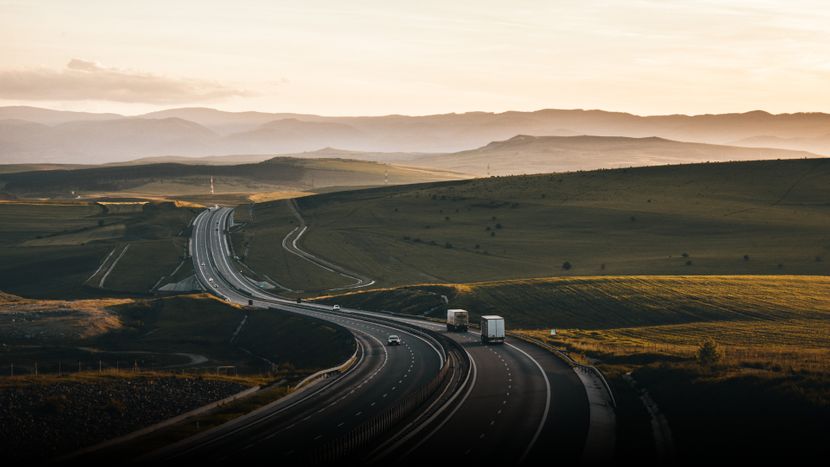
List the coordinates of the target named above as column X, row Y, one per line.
column 171, row 179
column 531, row 154
column 763, row 217
column 29, row 134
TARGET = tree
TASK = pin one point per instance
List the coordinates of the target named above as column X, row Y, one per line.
column 567, row 265
column 709, row 353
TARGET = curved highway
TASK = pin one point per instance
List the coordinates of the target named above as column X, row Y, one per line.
column 381, row 376
column 520, row 403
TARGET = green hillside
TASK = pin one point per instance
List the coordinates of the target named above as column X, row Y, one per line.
column 766, row 217
column 63, row 250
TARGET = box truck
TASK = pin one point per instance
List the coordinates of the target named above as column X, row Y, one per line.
column 457, row 320
column 492, row 329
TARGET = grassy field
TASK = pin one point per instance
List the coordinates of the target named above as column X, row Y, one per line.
column 53, row 249
column 768, row 217
column 185, row 332
column 781, row 321
column 259, row 245
column 770, row 388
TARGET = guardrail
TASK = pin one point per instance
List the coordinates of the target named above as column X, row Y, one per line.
column 326, row 372
column 570, row 361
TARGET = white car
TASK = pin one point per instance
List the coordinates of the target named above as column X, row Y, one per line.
column 335, row 308
column 393, row 340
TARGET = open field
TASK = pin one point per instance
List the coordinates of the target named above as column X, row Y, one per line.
column 767, row 217
column 68, row 249
column 259, row 245
column 193, row 332
column 775, row 320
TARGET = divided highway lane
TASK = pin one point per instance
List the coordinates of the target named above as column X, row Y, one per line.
column 525, row 404
column 383, row 375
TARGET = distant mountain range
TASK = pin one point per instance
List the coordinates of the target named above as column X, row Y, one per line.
column 29, row 134
column 524, row 154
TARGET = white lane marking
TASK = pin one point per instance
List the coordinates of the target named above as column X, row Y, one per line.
column 547, row 403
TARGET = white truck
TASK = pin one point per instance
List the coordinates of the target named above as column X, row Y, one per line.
column 492, row 329
column 457, row 320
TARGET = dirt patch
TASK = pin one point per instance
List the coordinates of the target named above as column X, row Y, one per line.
column 22, row 318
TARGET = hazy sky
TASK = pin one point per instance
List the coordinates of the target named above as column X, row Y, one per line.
column 416, row 57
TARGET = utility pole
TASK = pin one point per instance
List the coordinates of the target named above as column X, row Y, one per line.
column 211, row 185
column 99, row 366
column 59, row 368
column 12, row 369
column 35, row 367
column 385, row 176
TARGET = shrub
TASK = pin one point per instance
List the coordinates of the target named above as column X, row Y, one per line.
column 498, row 226
column 689, row 263
column 709, row 353
column 447, row 245
column 685, row 255
column 567, row 265
column 746, row 257
column 492, row 234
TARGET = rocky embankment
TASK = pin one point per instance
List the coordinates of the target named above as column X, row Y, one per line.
column 41, row 420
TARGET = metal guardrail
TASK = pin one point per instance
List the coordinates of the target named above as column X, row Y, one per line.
column 335, row 369
column 596, row 371
column 570, row 361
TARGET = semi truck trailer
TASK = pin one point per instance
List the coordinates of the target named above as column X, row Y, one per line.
column 457, row 320
column 492, row 329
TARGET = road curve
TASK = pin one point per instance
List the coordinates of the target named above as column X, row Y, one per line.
column 289, row 243
column 522, row 404
column 382, row 376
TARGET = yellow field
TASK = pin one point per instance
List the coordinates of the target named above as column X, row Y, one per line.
column 764, row 321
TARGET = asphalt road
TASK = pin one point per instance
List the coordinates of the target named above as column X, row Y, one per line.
column 521, row 404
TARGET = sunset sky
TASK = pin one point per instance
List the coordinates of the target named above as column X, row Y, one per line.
column 380, row 57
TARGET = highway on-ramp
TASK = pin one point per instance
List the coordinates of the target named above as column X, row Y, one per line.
column 519, row 402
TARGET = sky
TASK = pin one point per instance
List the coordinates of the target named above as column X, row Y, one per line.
column 357, row 57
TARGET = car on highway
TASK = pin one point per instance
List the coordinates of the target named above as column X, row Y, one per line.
column 335, row 308
column 393, row 340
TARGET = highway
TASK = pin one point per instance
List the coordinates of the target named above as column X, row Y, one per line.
column 518, row 403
